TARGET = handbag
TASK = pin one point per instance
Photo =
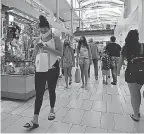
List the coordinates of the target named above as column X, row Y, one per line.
column 77, row 75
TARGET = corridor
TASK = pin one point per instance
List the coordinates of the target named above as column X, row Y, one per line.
column 101, row 109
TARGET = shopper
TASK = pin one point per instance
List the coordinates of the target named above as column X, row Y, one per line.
column 133, row 51
column 84, row 59
column 68, row 61
column 114, row 51
column 95, row 56
column 47, row 70
column 105, row 66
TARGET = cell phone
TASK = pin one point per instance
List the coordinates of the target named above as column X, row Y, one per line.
column 40, row 44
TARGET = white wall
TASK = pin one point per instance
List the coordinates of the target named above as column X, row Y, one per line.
column 134, row 21
column 134, row 4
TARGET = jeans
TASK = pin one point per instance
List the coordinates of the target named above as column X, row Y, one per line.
column 95, row 62
column 51, row 77
column 114, row 64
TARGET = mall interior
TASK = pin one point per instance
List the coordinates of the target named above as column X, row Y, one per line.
column 101, row 108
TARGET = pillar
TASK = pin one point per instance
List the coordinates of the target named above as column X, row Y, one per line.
column 141, row 21
column 1, row 18
column 79, row 15
column 57, row 10
column 72, row 16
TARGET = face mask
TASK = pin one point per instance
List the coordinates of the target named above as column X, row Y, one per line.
column 82, row 40
column 66, row 44
column 45, row 35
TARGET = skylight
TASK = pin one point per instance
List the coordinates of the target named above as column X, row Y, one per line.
column 103, row 11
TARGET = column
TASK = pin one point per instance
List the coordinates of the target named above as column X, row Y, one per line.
column 79, row 15
column 1, row 19
column 72, row 16
column 141, row 21
column 57, row 9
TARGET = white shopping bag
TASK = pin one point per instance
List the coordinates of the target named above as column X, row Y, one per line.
column 77, row 75
column 42, row 62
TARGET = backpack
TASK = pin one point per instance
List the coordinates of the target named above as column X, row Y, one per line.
column 137, row 64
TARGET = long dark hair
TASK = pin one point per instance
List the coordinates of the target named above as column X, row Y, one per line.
column 66, row 43
column 84, row 42
column 132, row 43
column 43, row 22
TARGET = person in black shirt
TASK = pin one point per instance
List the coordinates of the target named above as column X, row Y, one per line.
column 133, row 52
column 114, row 53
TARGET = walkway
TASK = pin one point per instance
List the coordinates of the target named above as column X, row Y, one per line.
column 102, row 109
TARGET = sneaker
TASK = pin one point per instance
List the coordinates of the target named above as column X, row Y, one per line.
column 61, row 76
column 70, row 82
column 113, row 83
column 96, row 77
column 104, row 82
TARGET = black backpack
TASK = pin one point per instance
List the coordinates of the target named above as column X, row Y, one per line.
column 137, row 64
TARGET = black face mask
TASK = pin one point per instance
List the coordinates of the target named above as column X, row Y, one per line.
column 66, row 44
column 82, row 40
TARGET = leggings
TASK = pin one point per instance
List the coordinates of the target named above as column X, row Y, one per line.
column 51, row 77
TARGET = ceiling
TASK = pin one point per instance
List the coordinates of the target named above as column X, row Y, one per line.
column 100, row 12
column 64, row 8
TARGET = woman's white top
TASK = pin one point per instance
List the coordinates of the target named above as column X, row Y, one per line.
column 84, row 52
column 45, row 60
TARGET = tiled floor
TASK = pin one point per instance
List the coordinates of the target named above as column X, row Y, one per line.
column 101, row 109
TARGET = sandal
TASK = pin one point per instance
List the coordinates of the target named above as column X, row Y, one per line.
column 132, row 116
column 70, row 82
column 82, row 86
column 51, row 116
column 31, row 125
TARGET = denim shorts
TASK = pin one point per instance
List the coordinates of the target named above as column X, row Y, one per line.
column 84, row 61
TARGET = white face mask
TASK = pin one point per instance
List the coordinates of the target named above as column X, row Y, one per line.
column 45, row 35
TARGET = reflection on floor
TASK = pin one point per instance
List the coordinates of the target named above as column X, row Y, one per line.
column 101, row 109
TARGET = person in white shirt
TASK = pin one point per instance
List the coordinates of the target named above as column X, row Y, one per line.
column 84, row 59
column 47, row 70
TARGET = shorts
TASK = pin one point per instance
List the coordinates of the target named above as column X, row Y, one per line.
column 134, row 77
column 84, row 61
column 106, row 72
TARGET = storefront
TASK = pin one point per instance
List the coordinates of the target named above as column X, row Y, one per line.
column 17, row 74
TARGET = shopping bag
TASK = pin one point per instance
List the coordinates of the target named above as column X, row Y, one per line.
column 42, row 62
column 77, row 75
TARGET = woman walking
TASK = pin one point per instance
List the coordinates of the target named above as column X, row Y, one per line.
column 68, row 61
column 84, row 59
column 133, row 51
column 47, row 70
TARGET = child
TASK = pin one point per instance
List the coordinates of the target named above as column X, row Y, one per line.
column 105, row 67
column 68, row 61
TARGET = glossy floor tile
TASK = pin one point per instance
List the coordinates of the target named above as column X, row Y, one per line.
column 74, row 116
column 101, row 109
column 59, row 127
column 77, row 129
column 107, row 121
